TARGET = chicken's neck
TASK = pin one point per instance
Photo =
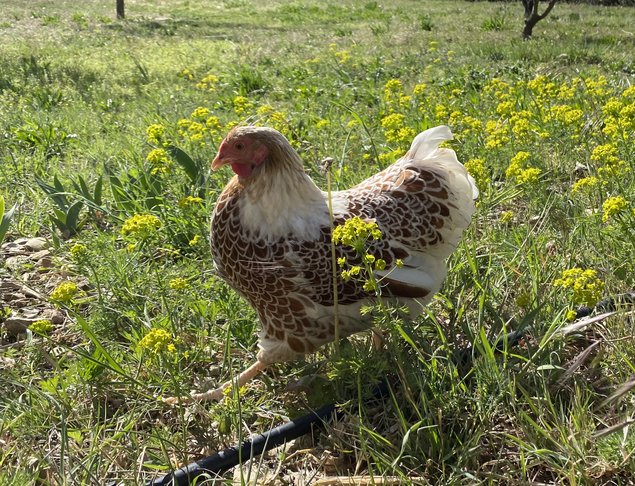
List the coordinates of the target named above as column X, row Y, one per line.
column 283, row 201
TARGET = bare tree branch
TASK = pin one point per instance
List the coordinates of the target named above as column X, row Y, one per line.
column 532, row 17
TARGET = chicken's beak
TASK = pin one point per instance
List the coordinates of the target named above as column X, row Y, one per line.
column 220, row 159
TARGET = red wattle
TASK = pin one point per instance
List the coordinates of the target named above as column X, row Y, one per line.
column 242, row 170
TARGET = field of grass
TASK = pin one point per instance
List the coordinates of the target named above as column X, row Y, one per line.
column 107, row 129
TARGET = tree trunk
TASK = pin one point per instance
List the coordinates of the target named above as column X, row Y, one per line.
column 532, row 17
column 120, row 9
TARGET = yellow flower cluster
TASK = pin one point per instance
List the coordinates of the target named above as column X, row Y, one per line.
column 160, row 161
column 586, row 184
column 208, row 83
column 543, row 88
column 275, row 118
column 565, row 114
column 78, row 251
column 141, row 226
column 342, row 56
column 497, row 134
column 155, row 134
column 611, row 166
column 191, row 130
column 158, row 341
column 179, row 283
column 355, row 231
column 499, row 89
column 194, row 241
column 200, row 112
column 585, row 286
column 185, row 73
column 393, row 90
column 65, row 292
column 200, row 123
column 507, row 217
column 395, row 131
column 614, row 206
column 242, row 105
column 477, row 169
column 43, row 326
column 596, row 87
column 189, row 202
column 520, row 170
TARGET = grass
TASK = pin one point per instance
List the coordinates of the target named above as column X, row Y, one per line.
column 353, row 81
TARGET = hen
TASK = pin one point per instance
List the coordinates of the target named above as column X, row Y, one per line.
column 271, row 238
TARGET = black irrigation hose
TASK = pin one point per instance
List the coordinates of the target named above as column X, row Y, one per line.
column 222, row 461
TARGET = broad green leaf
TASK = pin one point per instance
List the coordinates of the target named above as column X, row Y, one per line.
column 189, row 166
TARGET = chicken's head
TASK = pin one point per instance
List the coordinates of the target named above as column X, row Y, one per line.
column 242, row 150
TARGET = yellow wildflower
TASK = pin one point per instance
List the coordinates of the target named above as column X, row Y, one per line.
column 158, row 341
column 614, row 206
column 585, row 286
column 200, row 112
column 596, row 86
column 585, row 184
column 43, row 326
column 392, row 86
column 242, row 105
column 477, row 169
column 208, row 83
column 213, row 123
column 189, row 201
column 78, row 251
column 194, row 241
column 179, row 283
column 370, row 285
column 517, row 164
column 155, row 133
column 507, row 217
column 185, row 73
column 528, row 176
column 419, row 89
column 65, row 292
column 141, row 226
column 355, row 232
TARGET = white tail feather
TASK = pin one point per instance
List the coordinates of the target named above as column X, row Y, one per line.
column 426, row 267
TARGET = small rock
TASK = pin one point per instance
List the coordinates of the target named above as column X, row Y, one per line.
column 17, row 325
column 6, row 362
column 44, row 265
column 36, row 244
column 14, row 247
column 9, row 285
column 56, row 316
column 12, row 296
column 30, row 313
column 16, row 261
column 38, row 255
column 580, row 169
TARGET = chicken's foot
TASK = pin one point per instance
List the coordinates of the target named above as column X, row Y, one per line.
column 217, row 394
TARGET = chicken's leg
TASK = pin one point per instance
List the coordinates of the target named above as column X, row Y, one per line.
column 217, row 394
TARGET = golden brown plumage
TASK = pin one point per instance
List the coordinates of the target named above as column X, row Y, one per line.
column 271, row 237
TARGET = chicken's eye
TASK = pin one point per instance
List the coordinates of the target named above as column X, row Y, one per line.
column 239, row 146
